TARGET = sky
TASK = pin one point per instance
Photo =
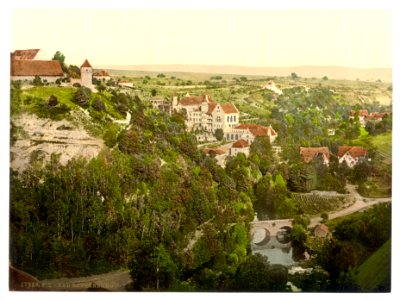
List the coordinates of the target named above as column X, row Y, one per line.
column 242, row 37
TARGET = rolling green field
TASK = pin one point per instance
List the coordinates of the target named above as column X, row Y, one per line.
column 374, row 273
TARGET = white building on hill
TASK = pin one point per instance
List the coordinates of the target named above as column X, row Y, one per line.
column 87, row 75
column 27, row 64
column 249, row 132
column 203, row 113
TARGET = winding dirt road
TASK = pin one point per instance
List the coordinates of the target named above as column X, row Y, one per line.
column 359, row 204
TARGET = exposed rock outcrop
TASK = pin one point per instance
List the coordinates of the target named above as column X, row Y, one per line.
column 43, row 137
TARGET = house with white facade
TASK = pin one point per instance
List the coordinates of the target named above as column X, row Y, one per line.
column 219, row 154
column 311, row 153
column 362, row 114
column 351, row 155
column 101, row 75
column 240, row 146
column 272, row 87
column 47, row 70
column 27, row 64
column 203, row 113
column 161, row 104
column 249, row 132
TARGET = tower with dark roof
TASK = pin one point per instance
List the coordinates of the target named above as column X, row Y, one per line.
column 86, row 74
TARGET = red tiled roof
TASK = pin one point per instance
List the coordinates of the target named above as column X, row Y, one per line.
column 211, row 107
column 377, row 115
column 25, row 54
column 195, row 100
column 229, row 108
column 86, row 64
column 101, row 73
column 310, row 153
column 240, row 144
column 258, row 130
column 36, row 68
column 322, row 228
column 361, row 112
column 353, row 151
column 217, row 151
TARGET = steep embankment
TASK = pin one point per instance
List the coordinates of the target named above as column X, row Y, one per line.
column 374, row 273
column 39, row 138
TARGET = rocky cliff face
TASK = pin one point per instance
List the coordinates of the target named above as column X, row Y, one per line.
column 42, row 137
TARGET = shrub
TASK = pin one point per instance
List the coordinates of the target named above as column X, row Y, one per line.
column 110, row 136
column 53, row 101
column 76, row 84
column 122, row 108
column 37, row 81
column 99, row 105
column 82, row 97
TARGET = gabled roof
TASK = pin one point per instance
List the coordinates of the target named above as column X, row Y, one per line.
column 309, row 153
column 211, row 107
column 217, row 151
column 321, row 228
column 86, row 64
column 361, row 113
column 271, row 131
column 36, row 68
column 258, row 130
column 24, row 54
column 353, row 151
column 101, row 73
column 377, row 115
column 229, row 108
column 240, row 144
column 196, row 100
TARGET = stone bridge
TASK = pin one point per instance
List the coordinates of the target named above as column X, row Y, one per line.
column 262, row 230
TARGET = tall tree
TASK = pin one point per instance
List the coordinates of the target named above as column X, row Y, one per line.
column 61, row 58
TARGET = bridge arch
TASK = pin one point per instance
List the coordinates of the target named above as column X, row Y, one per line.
column 260, row 236
column 283, row 234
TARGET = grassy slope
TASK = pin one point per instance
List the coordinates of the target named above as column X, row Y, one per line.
column 384, row 143
column 62, row 93
column 375, row 270
column 65, row 96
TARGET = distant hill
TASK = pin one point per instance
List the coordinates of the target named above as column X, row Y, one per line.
column 332, row 72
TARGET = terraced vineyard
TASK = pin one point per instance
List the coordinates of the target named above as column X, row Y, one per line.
column 317, row 203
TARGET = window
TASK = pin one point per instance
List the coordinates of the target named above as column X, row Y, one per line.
column 227, row 118
column 236, row 136
column 227, row 136
column 234, row 118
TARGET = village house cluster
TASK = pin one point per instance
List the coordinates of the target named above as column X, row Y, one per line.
column 364, row 116
column 28, row 64
column 203, row 115
column 349, row 155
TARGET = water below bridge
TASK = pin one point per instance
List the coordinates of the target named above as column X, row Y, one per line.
column 272, row 239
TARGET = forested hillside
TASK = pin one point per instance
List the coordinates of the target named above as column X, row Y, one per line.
column 137, row 204
column 153, row 202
